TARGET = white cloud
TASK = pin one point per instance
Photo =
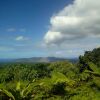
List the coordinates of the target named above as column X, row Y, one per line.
column 69, row 53
column 21, row 38
column 77, row 21
column 14, row 30
column 11, row 30
column 22, row 30
column 5, row 48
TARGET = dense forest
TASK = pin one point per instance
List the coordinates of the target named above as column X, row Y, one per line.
column 61, row 80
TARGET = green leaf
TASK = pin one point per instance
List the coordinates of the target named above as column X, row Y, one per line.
column 93, row 67
column 9, row 94
column 18, row 86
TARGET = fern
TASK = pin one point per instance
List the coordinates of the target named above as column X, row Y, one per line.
column 9, row 94
column 94, row 67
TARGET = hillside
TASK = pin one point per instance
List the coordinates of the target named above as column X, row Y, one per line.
column 61, row 80
column 39, row 60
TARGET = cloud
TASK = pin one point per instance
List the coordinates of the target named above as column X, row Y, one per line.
column 11, row 30
column 79, row 20
column 69, row 53
column 21, row 38
column 22, row 30
column 6, row 48
column 14, row 30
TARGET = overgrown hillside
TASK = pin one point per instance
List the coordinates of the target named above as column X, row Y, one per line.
column 52, row 81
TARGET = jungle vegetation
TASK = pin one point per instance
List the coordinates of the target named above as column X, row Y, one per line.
column 52, row 81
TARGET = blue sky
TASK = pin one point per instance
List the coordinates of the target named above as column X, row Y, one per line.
column 27, row 29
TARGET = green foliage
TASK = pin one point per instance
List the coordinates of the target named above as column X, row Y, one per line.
column 52, row 81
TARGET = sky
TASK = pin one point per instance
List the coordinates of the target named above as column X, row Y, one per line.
column 43, row 28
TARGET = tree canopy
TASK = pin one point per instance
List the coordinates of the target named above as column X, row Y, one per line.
column 52, row 81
